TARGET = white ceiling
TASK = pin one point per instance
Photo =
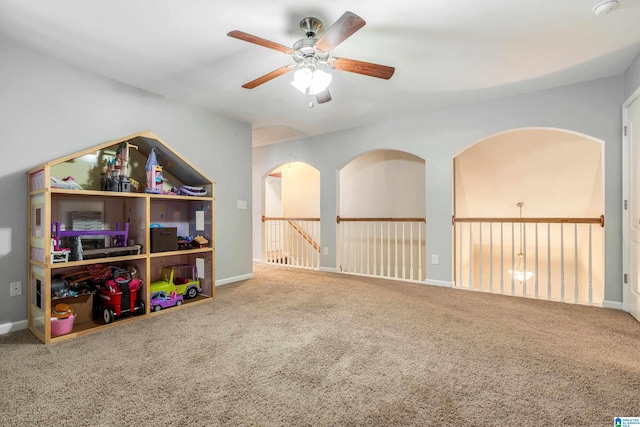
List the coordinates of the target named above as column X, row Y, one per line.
column 445, row 53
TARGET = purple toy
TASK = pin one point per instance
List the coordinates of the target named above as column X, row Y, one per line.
column 161, row 299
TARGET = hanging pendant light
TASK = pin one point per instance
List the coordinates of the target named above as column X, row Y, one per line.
column 519, row 273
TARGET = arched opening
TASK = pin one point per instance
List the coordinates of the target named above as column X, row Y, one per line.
column 381, row 230
column 291, row 216
column 528, row 206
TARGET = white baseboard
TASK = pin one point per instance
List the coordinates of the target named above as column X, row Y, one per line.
column 612, row 304
column 6, row 328
column 442, row 283
column 257, row 260
column 329, row 269
column 234, row 279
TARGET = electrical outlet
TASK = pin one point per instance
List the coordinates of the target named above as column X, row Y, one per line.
column 15, row 289
column 325, row 250
column 434, row 259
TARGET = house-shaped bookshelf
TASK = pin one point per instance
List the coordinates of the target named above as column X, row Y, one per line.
column 112, row 230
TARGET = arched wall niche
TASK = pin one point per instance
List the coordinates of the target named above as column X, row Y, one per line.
column 555, row 173
column 382, row 183
column 299, row 185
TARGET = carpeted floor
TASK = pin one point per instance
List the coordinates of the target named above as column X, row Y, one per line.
column 305, row 348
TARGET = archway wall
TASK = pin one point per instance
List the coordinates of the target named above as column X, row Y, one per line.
column 382, row 183
column 555, row 174
column 592, row 108
column 300, row 190
column 388, row 185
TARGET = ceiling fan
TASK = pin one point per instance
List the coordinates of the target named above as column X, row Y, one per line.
column 311, row 53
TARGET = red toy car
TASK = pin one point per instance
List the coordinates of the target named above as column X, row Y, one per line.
column 120, row 295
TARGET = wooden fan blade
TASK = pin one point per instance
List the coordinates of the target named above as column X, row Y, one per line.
column 361, row 67
column 259, row 41
column 323, row 96
column 342, row 29
column 269, row 76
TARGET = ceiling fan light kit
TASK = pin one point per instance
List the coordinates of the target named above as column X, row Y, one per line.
column 604, row 7
column 310, row 53
column 311, row 81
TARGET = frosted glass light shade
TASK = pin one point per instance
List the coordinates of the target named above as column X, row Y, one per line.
column 315, row 81
column 518, row 272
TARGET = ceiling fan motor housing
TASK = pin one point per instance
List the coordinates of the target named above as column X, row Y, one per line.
column 310, row 26
column 305, row 48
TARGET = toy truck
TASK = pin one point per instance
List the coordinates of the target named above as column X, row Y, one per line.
column 181, row 279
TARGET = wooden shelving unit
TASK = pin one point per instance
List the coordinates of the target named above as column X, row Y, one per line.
column 87, row 206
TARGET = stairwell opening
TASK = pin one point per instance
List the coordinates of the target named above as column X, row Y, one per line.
column 291, row 216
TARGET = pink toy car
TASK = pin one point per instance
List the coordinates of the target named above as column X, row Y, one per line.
column 161, row 299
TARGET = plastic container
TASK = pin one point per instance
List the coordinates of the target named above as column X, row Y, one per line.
column 62, row 326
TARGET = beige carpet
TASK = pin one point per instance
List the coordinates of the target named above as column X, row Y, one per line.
column 317, row 349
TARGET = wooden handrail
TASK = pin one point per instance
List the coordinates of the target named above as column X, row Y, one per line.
column 340, row 219
column 264, row 218
column 599, row 220
column 305, row 236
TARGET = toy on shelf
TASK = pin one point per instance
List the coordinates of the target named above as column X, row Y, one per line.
column 59, row 254
column 62, row 318
column 154, row 174
column 67, row 183
column 187, row 190
column 119, row 241
column 162, row 299
column 120, row 295
column 120, row 235
column 181, row 278
column 115, row 178
column 199, row 242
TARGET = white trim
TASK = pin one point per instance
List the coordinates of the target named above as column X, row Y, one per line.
column 626, row 188
column 257, row 260
column 329, row 269
column 6, row 328
column 612, row 304
column 432, row 282
column 234, row 279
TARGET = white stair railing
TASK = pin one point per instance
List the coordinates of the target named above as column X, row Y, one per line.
column 382, row 247
column 294, row 242
column 563, row 256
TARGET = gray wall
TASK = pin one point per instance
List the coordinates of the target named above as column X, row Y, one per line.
column 49, row 110
column 632, row 77
column 592, row 108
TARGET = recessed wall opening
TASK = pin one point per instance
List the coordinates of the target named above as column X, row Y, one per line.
column 528, row 216
column 291, row 216
column 381, row 222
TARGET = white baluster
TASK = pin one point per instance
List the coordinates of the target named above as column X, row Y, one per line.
column 491, row 257
column 575, row 263
column 501, row 258
column 470, row 255
column 524, row 258
column 396, row 254
column 561, row 262
column 411, row 251
column 513, row 256
column 590, row 271
column 375, row 261
column 382, row 249
column 404, row 263
column 389, row 249
column 480, row 264
column 549, row 261
column 536, row 260
column 419, row 251
column 460, row 255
